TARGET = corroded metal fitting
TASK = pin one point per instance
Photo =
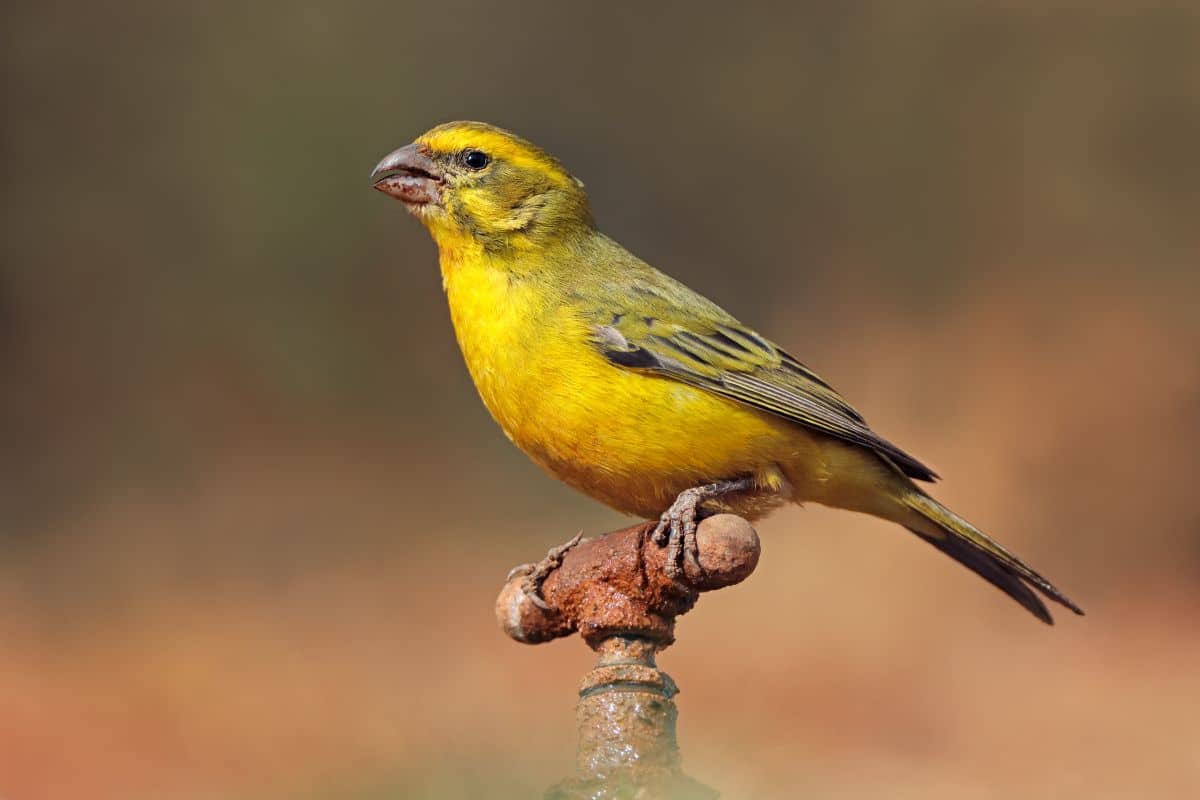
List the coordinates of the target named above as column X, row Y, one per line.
column 616, row 584
column 613, row 590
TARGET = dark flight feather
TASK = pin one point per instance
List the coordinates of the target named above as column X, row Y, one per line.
column 992, row 570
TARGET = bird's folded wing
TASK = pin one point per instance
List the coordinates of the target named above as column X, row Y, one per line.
column 733, row 361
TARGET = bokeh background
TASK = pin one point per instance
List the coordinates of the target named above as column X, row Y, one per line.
column 253, row 517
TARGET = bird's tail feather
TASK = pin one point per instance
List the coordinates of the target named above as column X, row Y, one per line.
column 970, row 547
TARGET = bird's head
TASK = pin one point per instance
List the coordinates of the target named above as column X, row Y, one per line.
column 474, row 184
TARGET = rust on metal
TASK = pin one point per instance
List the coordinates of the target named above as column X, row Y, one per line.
column 614, row 591
column 616, row 583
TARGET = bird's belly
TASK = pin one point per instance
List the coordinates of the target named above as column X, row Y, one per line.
column 634, row 441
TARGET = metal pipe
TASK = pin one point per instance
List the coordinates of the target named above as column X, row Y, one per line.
column 614, row 592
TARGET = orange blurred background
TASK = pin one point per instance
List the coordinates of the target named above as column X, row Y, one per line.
column 253, row 517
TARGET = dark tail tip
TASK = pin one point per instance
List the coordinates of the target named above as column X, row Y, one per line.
column 1002, row 576
column 1050, row 590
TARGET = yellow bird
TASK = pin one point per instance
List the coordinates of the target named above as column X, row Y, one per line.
column 634, row 389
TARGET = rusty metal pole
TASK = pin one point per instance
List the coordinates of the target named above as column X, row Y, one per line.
column 613, row 591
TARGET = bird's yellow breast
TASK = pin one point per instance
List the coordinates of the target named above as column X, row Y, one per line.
column 629, row 439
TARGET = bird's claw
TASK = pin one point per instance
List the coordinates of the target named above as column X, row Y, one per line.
column 536, row 574
column 518, row 570
column 532, row 589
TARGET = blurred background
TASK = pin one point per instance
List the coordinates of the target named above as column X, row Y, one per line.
column 253, row 517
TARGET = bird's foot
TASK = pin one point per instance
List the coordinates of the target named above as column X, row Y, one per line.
column 676, row 527
column 677, row 530
column 536, row 574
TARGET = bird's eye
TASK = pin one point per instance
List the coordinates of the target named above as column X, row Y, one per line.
column 476, row 159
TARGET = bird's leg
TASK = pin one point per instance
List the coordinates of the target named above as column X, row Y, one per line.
column 677, row 526
column 536, row 574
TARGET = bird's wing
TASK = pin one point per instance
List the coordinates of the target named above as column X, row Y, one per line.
column 712, row 351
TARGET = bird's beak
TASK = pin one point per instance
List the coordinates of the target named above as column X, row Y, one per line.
column 409, row 175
